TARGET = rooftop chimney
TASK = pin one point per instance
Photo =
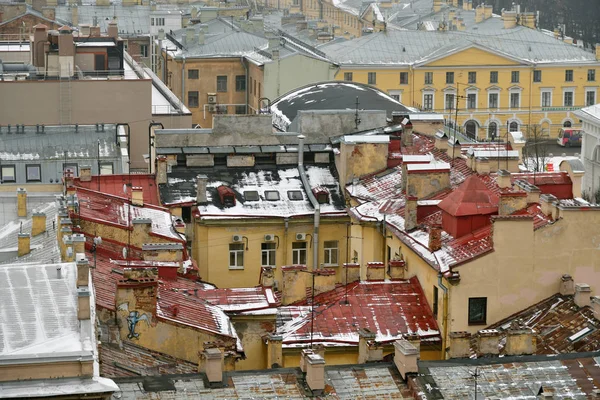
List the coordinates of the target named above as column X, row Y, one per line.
column 410, row 213
column 368, row 349
column 595, row 303
column 582, row 295
column 352, row 273
column 460, row 345
column 567, row 285
column 137, row 196
column 519, row 342
column 435, row 238
column 24, row 244
column 201, row 182
column 488, row 341
column 315, row 372
column 112, row 30
column 405, row 357
column 83, row 303
column 22, row 202
column 213, row 365
column 83, row 272
column 503, row 179
column 85, row 173
column 161, row 170
column 375, row 271
column 274, row 351
column 39, row 35
column 38, row 223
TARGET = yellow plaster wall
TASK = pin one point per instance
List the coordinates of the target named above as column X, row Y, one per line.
column 251, row 331
column 423, row 185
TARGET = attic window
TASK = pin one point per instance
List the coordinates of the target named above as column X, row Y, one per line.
column 295, row 195
column 251, row 195
column 272, row 195
column 227, row 196
column 321, row 194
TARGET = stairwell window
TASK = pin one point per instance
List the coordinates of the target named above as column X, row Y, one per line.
column 330, row 248
column 144, row 50
column 372, row 78
column 299, row 253
column 268, row 254
column 477, row 310
column 236, row 256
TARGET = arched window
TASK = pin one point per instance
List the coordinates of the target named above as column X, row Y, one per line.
column 567, row 124
column 471, row 129
column 514, row 126
column 492, row 130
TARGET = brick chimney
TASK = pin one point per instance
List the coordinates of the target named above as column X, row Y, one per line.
column 460, row 345
column 294, row 283
column 40, row 34
column 213, row 365
column 503, row 179
column 407, row 134
column 567, row 286
column 274, row 351
column 83, row 272
column 548, row 205
column 352, row 272
column 325, row 280
column 405, row 357
column 441, row 141
column 22, row 202
column 201, row 182
column 69, row 255
column 435, row 238
column 519, row 342
column 137, row 196
column 396, row 269
column 315, row 372
column 511, row 202
column 368, row 349
column 410, row 213
column 161, row 170
column 488, row 341
column 304, row 353
column 582, row 295
column 83, row 303
column 112, row 30
column 375, row 271
column 38, row 223
column 78, row 243
column 24, row 244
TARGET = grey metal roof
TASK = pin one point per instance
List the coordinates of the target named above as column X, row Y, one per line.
column 414, row 47
column 131, row 20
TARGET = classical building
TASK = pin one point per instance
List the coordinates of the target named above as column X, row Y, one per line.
column 590, row 150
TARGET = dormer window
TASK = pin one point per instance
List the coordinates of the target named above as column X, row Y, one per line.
column 251, row 195
column 295, row 195
column 226, row 195
column 272, row 195
column 321, row 194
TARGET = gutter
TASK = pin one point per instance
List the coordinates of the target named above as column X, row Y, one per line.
column 183, row 79
column 444, row 316
column 313, row 200
column 243, row 61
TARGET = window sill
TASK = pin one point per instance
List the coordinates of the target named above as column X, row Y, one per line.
column 331, row 265
column 235, row 268
column 477, row 323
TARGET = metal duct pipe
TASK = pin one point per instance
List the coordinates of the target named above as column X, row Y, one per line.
column 313, row 201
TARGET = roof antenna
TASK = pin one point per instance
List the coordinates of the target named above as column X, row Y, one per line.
column 357, row 120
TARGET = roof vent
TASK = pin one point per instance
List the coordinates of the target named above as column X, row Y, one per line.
column 226, row 195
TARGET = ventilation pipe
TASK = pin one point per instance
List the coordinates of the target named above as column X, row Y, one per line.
column 445, row 315
column 312, row 198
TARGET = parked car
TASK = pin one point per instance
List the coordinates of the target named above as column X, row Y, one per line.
column 569, row 137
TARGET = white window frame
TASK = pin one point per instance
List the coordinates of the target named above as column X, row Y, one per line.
column 591, row 90
column 565, row 91
column 542, row 97
column 426, row 93
column 497, row 93
column 238, row 255
column 29, row 178
column 329, row 248
column 14, row 173
column 511, row 92
column 397, row 93
column 270, row 253
column 297, row 253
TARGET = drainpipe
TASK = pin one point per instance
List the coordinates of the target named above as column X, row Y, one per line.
column 183, row 79
column 444, row 316
column 243, row 61
column 312, row 198
column 151, row 161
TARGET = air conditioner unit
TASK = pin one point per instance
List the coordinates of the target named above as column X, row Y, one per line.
column 269, row 238
column 212, row 108
column 237, row 238
column 212, row 98
column 300, row 236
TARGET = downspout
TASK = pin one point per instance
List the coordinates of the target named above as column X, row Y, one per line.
column 183, row 79
column 243, row 61
column 151, row 160
column 313, row 200
column 444, row 316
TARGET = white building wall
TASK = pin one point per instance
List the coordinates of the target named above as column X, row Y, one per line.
column 590, row 151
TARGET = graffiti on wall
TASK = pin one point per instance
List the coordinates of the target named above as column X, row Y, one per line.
column 132, row 320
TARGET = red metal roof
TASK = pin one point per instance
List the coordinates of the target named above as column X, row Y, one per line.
column 470, row 246
column 388, row 309
column 470, row 198
column 113, row 184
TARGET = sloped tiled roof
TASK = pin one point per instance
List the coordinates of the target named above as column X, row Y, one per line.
column 470, row 198
column 114, row 184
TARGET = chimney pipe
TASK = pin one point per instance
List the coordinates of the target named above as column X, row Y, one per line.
column 201, row 182
column 58, row 273
column 312, row 199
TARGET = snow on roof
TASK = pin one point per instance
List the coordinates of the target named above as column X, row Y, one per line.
column 432, row 166
column 474, row 152
column 426, row 117
column 366, row 139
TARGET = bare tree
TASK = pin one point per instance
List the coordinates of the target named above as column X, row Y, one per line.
column 535, row 152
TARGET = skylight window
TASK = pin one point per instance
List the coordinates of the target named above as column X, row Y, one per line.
column 272, row 195
column 251, row 195
column 295, row 195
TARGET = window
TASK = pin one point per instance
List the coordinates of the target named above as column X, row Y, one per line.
column 568, row 99
column 591, row 75
column 330, row 248
column 492, row 130
column 429, row 78
column 472, row 77
column 372, row 78
column 236, row 256
column 435, row 301
column 537, row 75
column 72, row 168
column 221, row 83
column 193, row 99
column 472, row 101
column 160, row 22
column 513, row 127
column 33, row 173
column 144, row 50
column 8, row 173
column 404, row 78
column 106, row 168
column 193, row 74
column 569, row 75
column 428, row 101
column 515, row 100
column 152, row 21
column 449, row 103
column 348, row 76
column 240, row 83
column 546, row 99
column 299, row 253
column 493, row 76
column 567, row 124
column 295, row 195
column 514, row 76
column 450, row 78
column 240, row 109
column 251, row 195
column 267, row 251
column 493, row 100
column 272, row 195
column 590, row 98
column 477, row 310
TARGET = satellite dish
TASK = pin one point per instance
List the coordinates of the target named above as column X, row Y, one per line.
column 124, row 252
column 125, row 188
